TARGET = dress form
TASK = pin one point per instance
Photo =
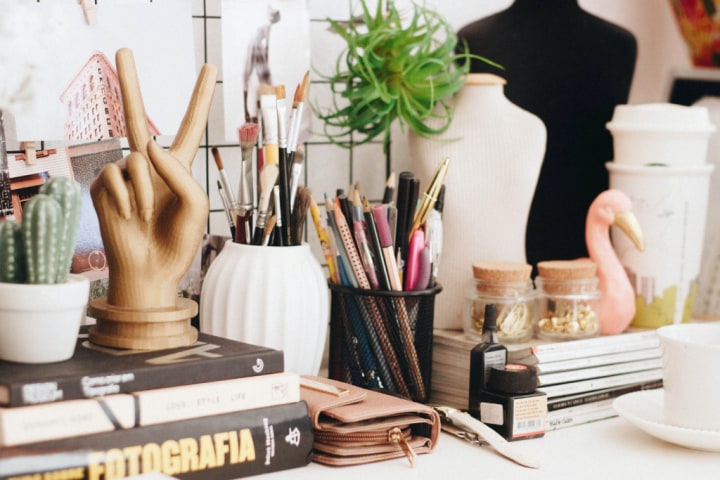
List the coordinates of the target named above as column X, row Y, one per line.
column 496, row 151
column 570, row 68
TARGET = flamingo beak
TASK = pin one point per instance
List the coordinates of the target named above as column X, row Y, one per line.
column 627, row 222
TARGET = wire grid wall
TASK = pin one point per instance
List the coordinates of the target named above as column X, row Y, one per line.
column 327, row 166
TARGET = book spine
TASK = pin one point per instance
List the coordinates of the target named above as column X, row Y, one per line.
column 22, row 425
column 218, row 447
column 610, row 344
column 596, row 372
column 600, row 383
column 611, row 393
column 570, row 419
column 201, row 362
column 599, row 360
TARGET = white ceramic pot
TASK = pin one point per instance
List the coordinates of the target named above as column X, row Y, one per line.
column 271, row 296
column 39, row 323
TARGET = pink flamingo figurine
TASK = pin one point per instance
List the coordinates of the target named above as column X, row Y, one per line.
column 617, row 296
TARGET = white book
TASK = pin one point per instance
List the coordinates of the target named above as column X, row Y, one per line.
column 71, row 418
column 587, row 362
column 588, row 347
column 600, row 383
column 597, row 372
column 570, row 419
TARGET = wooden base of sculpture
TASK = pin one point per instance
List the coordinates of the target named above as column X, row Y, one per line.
column 149, row 329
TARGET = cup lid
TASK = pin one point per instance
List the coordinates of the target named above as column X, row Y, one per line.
column 661, row 116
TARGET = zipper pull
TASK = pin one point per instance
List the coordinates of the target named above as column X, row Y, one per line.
column 395, row 435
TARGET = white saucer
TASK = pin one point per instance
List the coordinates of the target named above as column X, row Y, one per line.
column 645, row 410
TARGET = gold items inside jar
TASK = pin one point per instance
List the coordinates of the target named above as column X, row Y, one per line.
column 568, row 300
column 509, row 287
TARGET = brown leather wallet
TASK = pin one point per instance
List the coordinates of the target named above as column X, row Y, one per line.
column 353, row 425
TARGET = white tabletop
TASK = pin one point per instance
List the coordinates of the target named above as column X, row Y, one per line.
column 608, row 449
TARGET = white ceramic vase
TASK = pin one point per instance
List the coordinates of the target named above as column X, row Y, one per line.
column 39, row 323
column 271, row 296
column 496, row 150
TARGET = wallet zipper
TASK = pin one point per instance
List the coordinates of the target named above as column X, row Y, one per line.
column 394, row 435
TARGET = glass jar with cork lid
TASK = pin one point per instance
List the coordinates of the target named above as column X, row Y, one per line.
column 568, row 300
column 507, row 285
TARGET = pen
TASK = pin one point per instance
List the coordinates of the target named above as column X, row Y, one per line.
column 430, row 195
column 417, row 243
column 403, row 206
column 386, row 246
column 424, row 269
column 344, row 260
column 389, row 189
column 383, row 278
column 350, row 247
column 324, row 241
column 360, row 231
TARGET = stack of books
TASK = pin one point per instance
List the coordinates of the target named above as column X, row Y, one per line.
column 216, row 409
column 580, row 377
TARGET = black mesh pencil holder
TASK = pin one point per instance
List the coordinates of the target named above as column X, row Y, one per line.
column 383, row 339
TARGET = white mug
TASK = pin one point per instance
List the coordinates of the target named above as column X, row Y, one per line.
column 691, row 374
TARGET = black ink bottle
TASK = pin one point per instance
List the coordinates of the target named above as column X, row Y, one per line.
column 511, row 403
column 486, row 354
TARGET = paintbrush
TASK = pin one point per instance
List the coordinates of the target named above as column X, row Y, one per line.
column 224, row 179
column 268, row 177
column 248, row 134
column 296, row 173
column 298, row 104
column 283, row 207
column 267, row 231
column 227, row 208
column 268, row 106
column 299, row 214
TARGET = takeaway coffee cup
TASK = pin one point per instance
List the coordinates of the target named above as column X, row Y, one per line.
column 670, row 204
column 660, row 134
column 691, row 375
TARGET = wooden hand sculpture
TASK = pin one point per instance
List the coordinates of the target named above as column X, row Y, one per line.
column 152, row 213
column 617, row 296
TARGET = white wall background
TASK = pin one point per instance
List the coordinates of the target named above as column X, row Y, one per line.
column 660, row 50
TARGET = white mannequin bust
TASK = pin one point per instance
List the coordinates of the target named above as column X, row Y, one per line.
column 496, row 150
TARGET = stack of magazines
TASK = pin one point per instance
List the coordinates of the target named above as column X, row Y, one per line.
column 580, row 377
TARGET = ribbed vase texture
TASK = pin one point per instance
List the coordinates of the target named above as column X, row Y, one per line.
column 271, row 296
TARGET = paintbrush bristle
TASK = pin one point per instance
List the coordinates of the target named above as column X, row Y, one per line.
column 280, row 91
column 296, row 97
column 249, row 133
column 299, row 213
column 268, row 178
column 266, row 89
column 216, row 156
column 305, row 86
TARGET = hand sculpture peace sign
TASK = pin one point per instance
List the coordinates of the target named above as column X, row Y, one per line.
column 152, row 212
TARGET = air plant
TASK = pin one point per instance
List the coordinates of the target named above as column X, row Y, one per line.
column 394, row 71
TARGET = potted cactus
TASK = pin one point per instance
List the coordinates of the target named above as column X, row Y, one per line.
column 41, row 303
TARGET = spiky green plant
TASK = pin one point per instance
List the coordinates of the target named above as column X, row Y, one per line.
column 391, row 71
column 39, row 249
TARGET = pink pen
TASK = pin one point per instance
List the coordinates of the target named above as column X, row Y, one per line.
column 386, row 245
column 412, row 265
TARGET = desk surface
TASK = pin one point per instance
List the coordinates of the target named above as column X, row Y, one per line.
column 608, row 449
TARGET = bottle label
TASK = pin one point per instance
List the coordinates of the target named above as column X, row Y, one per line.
column 491, row 413
column 529, row 416
column 493, row 358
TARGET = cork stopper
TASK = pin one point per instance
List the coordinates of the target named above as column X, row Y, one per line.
column 567, row 276
column 501, row 271
column 566, row 269
column 500, row 278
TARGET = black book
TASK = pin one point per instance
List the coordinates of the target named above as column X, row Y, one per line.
column 95, row 371
column 233, row 445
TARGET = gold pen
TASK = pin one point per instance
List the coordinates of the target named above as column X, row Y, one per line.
column 430, row 196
